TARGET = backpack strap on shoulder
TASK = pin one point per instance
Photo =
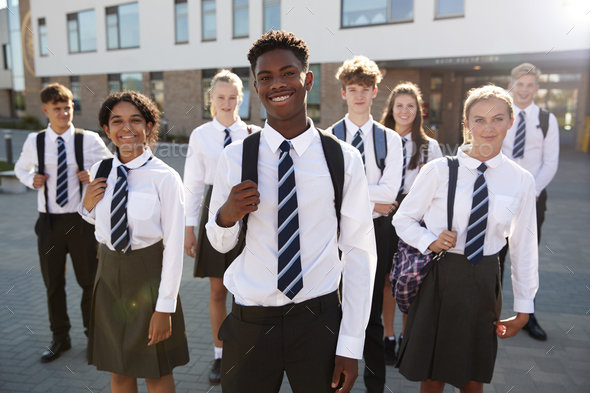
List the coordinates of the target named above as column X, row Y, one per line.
column 104, row 169
column 41, row 162
column 339, row 130
column 79, row 150
column 250, row 148
column 453, row 163
column 335, row 161
column 544, row 121
column 380, row 145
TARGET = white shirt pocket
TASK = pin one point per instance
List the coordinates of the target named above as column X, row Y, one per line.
column 141, row 205
column 504, row 208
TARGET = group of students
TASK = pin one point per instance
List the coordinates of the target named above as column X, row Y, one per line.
column 299, row 224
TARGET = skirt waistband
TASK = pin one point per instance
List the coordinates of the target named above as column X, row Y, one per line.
column 149, row 250
column 462, row 258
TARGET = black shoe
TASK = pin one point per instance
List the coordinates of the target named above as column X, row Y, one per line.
column 57, row 347
column 534, row 329
column 215, row 373
column 390, row 354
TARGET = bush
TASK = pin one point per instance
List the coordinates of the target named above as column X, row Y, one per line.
column 28, row 122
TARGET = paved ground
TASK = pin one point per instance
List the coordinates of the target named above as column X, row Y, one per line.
column 561, row 364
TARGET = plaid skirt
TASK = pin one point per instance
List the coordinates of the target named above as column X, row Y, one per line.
column 450, row 333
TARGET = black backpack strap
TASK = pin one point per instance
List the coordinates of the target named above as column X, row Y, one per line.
column 379, row 145
column 104, row 169
column 425, row 152
column 544, row 121
column 250, row 148
column 79, row 150
column 41, row 163
column 453, row 163
column 335, row 160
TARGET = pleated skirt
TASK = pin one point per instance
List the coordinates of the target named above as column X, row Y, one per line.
column 124, row 300
column 208, row 261
column 450, row 332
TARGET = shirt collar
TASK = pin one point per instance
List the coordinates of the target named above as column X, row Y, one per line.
column 473, row 163
column 65, row 136
column 528, row 111
column 300, row 143
column 353, row 128
column 220, row 127
column 136, row 162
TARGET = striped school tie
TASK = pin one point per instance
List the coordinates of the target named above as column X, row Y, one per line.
column 359, row 144
column 227, row 139
column 405, row 165
column 290, row 280
column 518, row 150
column 62, row 173
column 478, row 219
column 119, row 231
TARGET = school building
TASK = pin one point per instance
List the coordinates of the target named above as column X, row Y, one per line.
column 170, row 49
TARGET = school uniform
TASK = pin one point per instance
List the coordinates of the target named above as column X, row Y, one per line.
column 59, row 228
column 450, row 335
column 383, row 188
column 206, row 144
column 131, row 284
column 268, row 332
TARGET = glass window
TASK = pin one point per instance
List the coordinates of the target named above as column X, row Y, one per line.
column 73, row 33
column 114, row 83
column 207, row 75
column 241, row 23
column 157, row 88
column 43, row 51
column 436, row 82
column 209, row 20
column 44, row 82
column 244, row 74
column 314, row 96
column 76, row 92
column 131, row 81
column 87, row 31
column 375, row 12
column 435, row 106
column 272, row 15
column 181, row 16
column 123, row 26
column 449, row 8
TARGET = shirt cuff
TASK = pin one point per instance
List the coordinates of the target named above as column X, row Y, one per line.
column 350, row 347
column 29, row 181
column 425, row 242
column 525, row 306
column 166, row 305
column 192, row 221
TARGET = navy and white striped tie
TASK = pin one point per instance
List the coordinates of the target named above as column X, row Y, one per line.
column 404, row 166
column 290, row 279
column 519, row 138
column 227, row 139
column 62, row 173
column 478, row 219
column 119, row 230
column 357, row 142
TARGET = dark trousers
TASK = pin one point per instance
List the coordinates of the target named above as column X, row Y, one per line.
column 260, row 344
column 541, row 207
column 58, row 235
column 374, row 351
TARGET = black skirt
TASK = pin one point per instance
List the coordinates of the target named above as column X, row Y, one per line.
column 124, row 300
column 208, row 261
column 450, row 333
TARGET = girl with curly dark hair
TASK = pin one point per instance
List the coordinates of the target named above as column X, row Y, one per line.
column 136, row 202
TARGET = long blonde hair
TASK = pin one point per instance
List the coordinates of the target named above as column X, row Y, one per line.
column 483, row 93
column 228, row 77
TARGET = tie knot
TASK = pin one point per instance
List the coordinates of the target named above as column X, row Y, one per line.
column 226, row 132
column 482, row 168
column 60, row 139
column 285, row 146
column 122, row 170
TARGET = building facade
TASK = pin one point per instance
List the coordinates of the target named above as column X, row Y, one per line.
column 170, row 49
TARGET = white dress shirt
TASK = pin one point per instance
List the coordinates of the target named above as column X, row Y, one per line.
column 155, row 211
column 383, row 188
column 541, row 155
column 252, row 277
column 434, row 152
column 205, row 147
column 511, row 214
column 25, row 168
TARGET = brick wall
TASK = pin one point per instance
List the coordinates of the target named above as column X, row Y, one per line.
column 183, row 100
column 5, row 103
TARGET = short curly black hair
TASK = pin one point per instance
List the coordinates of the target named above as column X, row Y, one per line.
column 146, row 106
column 279, row 39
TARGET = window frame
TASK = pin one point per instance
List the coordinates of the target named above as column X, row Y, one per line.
column 157, row 76
column 41, row 35
column 447, row 16
column 233, row 21
column 266, row 3
column 78, row 32
column 119, row 26
column 7, row 63
column 76, row 79
column 388, row 13
column 176, row 42
column 203, row 13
